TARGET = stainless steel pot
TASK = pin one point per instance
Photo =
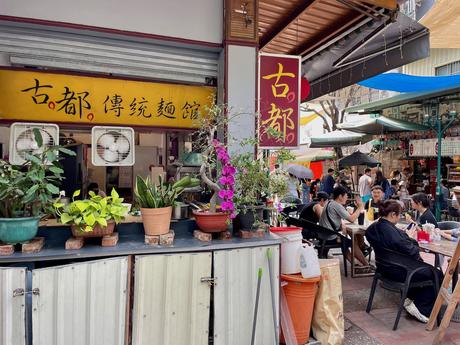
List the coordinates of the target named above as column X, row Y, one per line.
column 181, row 211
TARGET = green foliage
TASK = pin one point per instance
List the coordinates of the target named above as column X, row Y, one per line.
column 150, row 195
column 283, row 155
column 278, row 184
column 29, row 190
column 88, row 213
column 251, row 181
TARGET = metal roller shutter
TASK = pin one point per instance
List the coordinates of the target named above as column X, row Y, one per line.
column 86, row 51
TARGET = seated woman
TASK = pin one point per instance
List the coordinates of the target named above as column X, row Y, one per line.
column 421, row 204
column 333, row 214
column 312, row 212
column 384, row 234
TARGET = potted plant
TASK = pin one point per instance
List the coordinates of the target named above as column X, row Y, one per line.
column 93, row 217
column 216, row 171
column 27, row 192
column 156, row 202
column 251, row 185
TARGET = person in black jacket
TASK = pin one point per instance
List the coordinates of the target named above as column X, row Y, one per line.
column 312, row 211
column 385, row 234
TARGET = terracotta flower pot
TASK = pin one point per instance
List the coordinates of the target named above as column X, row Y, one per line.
column 98, row 231
column 211, row 221
column 156, row 221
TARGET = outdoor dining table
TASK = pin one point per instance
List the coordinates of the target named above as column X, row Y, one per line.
column 355, row 230
column 438, row 248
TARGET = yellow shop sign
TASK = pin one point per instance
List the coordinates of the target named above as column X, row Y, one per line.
column 50, row 97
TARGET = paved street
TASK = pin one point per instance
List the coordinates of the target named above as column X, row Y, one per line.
column 375, row 328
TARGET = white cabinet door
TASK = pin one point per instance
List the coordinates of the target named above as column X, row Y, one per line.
column 171, row 303
column 80, row 304
column 12, row 306
column 235, row 272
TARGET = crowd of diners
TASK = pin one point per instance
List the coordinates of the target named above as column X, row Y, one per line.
column 381, row 203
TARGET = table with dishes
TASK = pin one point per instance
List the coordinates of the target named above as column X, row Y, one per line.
column 438, row 248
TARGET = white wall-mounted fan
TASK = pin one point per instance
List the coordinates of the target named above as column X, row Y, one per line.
column 23, row 141
column 112, row 146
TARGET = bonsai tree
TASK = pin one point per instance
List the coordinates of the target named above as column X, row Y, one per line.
column 29, row 190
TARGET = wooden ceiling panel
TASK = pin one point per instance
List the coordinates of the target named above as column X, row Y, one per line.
column 293, row 26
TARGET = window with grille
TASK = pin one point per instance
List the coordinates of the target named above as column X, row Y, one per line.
column 449, row 69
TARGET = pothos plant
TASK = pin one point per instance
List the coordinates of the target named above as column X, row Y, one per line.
column 88, row 213
column 29, row 190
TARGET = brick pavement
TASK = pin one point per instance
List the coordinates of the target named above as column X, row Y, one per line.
column 376, row 328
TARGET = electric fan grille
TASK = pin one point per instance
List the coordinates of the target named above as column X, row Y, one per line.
column 112, row 146
column 24, row 143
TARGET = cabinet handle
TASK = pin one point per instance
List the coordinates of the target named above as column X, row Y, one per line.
column 210, row 280
column 21, row 292
column 18, row 292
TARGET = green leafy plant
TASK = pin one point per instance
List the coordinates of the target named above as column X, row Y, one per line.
column 150, row 195
column 283, row 155
column 29, row 190
column 251, row 181
column 86, row 214
column 278, row 184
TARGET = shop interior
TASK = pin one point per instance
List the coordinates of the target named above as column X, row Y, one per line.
column 165, row 154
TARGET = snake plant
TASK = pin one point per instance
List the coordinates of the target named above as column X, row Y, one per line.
column 151, row 195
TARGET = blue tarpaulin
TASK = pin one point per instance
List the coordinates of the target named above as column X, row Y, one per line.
column 410, row 83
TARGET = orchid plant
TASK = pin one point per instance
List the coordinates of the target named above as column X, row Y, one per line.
column 216, row 170
column 227, row 179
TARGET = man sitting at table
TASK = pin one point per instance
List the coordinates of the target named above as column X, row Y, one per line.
column 333, row 214
column 384, row 234
column 372, row 206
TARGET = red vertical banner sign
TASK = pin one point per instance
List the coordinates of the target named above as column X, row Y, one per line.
column 279, row 100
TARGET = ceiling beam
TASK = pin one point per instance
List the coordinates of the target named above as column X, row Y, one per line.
column 280, row 26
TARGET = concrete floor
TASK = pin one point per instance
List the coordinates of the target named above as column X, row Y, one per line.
column 376, row 328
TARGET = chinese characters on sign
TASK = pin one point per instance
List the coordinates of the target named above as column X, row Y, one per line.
column 279, row 100
column 66, row 98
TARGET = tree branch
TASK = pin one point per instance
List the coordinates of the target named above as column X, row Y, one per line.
column 327, row 111
column 326, row 122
